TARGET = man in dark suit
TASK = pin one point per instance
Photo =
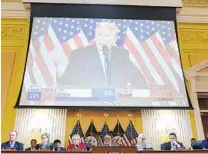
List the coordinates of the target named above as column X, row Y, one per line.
column 57, row 146
column 12, row 143
column 204, row 144
column 33, row 145
column 173, row 144
column 103, row 65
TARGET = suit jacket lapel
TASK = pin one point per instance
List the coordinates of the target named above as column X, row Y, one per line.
column 169, row 145
column 97, row 62
column 15, row 145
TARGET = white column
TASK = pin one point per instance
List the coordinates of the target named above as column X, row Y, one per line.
column 197, row 114
column 30, row 122
column 159, row 123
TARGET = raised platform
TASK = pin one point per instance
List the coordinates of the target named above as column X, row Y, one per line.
column 113, row 150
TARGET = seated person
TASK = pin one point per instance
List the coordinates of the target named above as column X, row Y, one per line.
column 12, row 143
column 117, row 140
column 77, row 145
column 91, row 141
column 108, row 141
column 45, row 145
column 204, row 144
column 57, row 146
column 173, row 144
column 33, row 147
column 193, row 140
column 142, row 143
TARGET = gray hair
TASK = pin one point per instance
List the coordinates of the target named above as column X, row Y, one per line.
column 76, row 136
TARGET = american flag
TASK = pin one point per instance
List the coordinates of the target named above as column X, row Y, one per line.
column 92, row 131
column 77, row 130
column 152, row 46
column 130, row 135
column 104, row 131
column 118, row 131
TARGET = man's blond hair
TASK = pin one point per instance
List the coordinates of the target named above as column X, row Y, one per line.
column 111, row 26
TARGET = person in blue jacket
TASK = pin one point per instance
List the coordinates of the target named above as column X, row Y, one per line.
column 13, row 143
column 204, row 144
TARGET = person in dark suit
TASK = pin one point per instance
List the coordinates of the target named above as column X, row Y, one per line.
column 33, row 145
column 173, row 144
column 204, row 144
column 192, row 141
column 45, row 144
column 13, row 143
column 102, row 65
column 57, row 146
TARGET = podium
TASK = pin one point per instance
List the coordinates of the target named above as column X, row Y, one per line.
column 114, row 149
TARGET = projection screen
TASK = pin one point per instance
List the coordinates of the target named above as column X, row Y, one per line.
column 91, row 62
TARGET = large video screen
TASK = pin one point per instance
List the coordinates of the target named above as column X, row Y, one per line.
column 91, row 62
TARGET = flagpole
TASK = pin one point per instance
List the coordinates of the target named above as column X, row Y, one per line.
column 130, row 118
column 91, row 126
column 118, row 124
column 78, row 115
column 106, row 116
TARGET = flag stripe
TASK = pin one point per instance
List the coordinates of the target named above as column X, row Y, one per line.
column 62, row 58
column 39, row 66
column 67, row 50
column 78, row 41
column 48, row 42
column 142, row 65
column 126, row 140
column 150, row 67
column 161, row 54
column 173, row 53
column 72, row 44
column 155, row 62
column 50, row 67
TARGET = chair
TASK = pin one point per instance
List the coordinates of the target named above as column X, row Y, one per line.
column 197, row 145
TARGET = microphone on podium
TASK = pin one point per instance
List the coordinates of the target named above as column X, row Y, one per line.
column 106, row 51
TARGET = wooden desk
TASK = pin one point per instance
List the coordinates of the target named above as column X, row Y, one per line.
column 113, row 149
column 174, row 151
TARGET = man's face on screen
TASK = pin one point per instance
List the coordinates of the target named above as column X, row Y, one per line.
column 105, row 34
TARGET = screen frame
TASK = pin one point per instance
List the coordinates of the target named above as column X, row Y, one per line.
column 114, row 12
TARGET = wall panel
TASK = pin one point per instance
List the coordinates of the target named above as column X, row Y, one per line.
column 157, row 124
column 14, row 36
column 31, row 123
column 7, row 64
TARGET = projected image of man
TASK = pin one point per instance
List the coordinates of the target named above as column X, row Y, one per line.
column 102, row 65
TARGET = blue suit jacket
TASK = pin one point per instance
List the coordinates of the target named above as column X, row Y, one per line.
column 17, row 146
column 204, row 144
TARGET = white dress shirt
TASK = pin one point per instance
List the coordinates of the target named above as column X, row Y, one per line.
column 102, row 58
